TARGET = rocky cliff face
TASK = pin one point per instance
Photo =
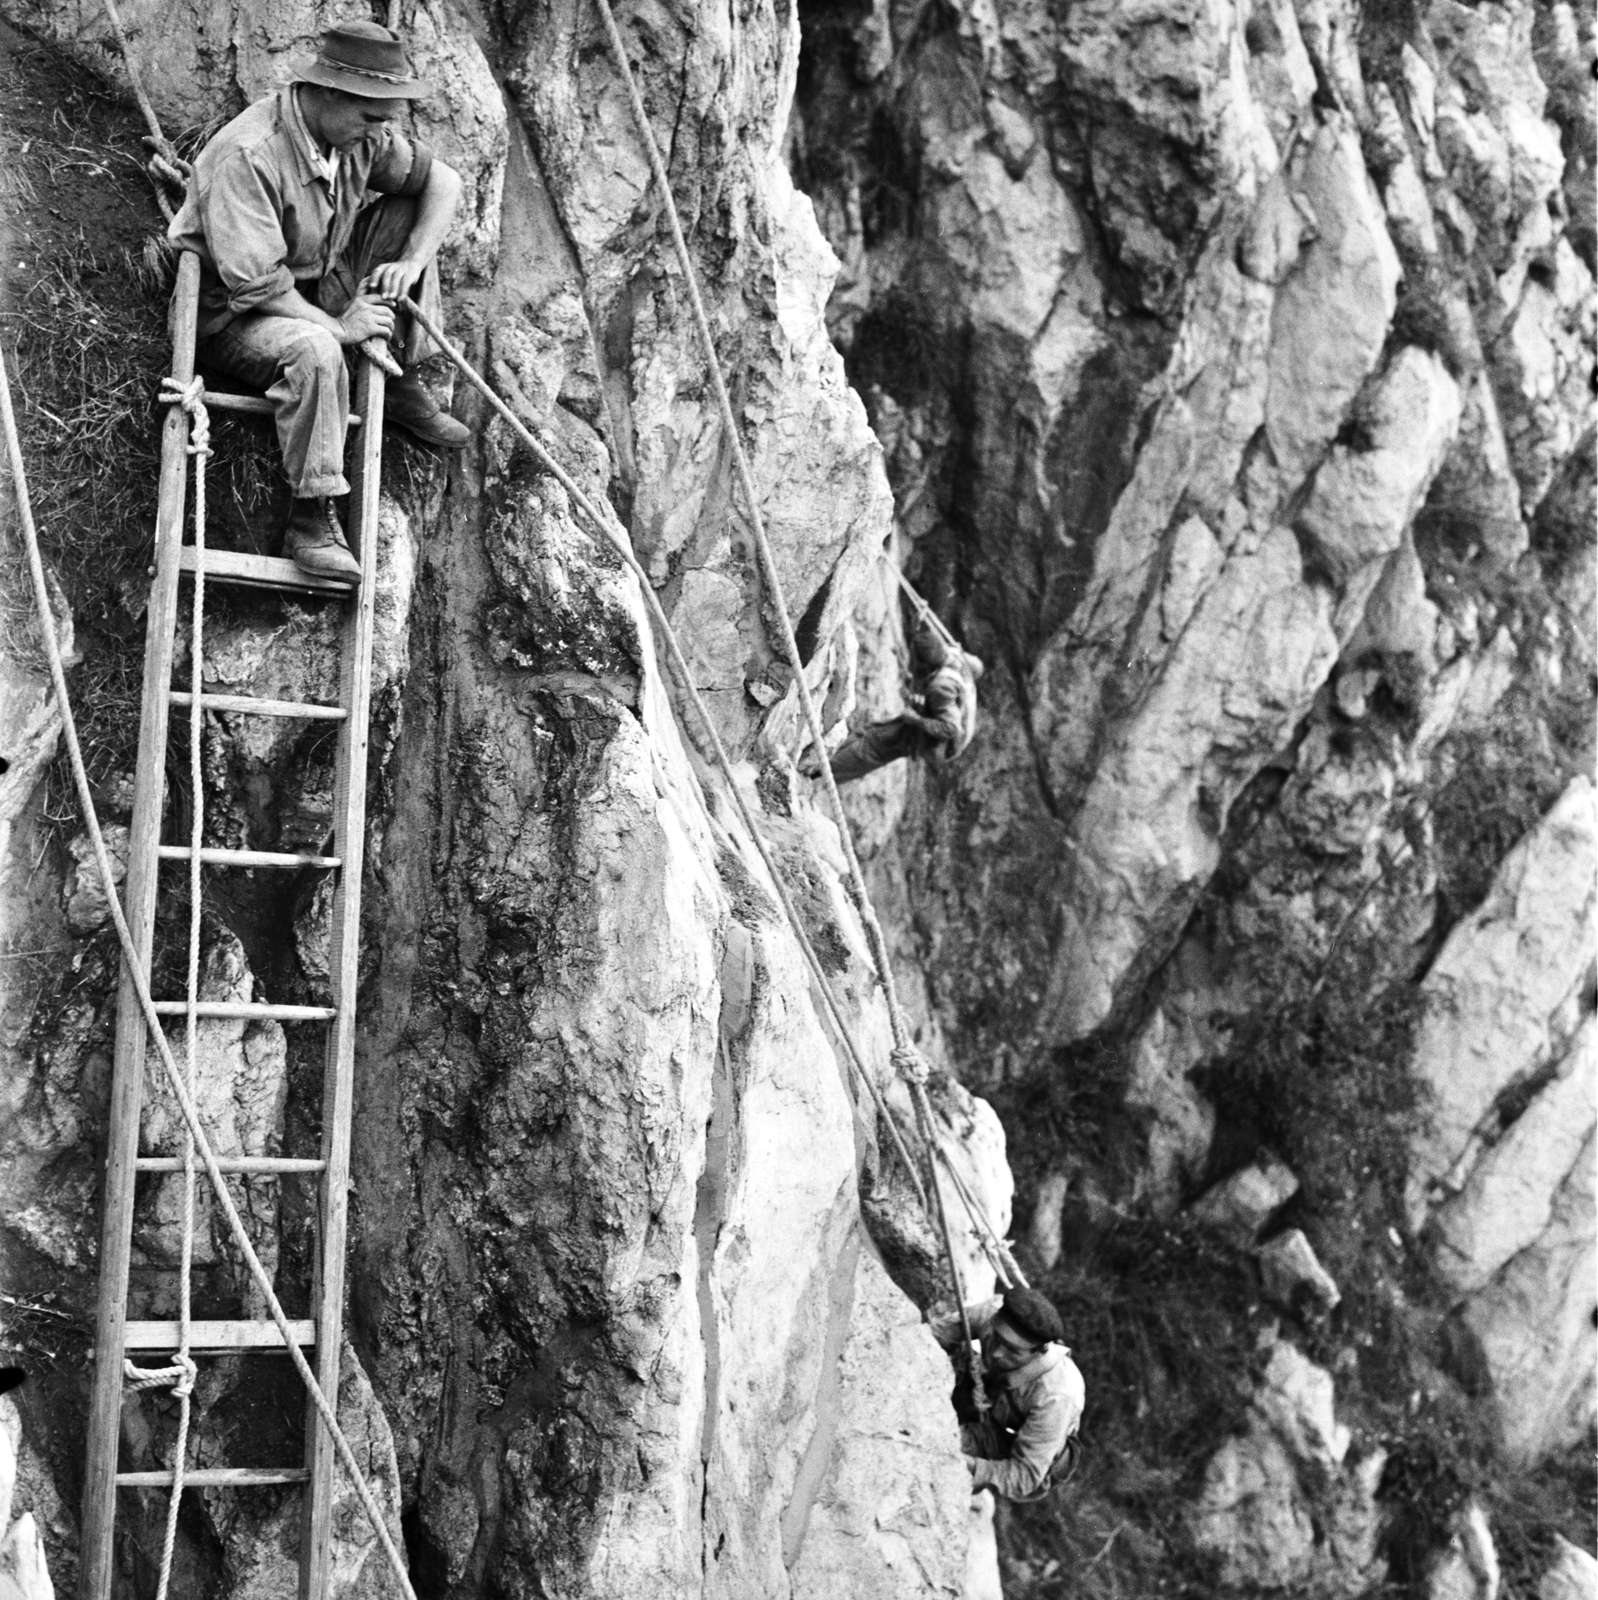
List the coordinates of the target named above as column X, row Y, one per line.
column 616, row 1323
column 1224, row 377
column 1233, row 367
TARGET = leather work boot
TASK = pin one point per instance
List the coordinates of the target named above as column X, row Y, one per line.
column 408, row 405
column 314, row 541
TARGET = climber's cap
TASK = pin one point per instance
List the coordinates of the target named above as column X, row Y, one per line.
column 1033, row 1315
column 362, row 58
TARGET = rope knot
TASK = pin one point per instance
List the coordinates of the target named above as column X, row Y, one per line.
column 191, row 396
column 179, row 1377
column 911, row 1064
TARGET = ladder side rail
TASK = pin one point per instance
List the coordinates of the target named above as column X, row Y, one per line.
column 127, row 1084
column 349, row 838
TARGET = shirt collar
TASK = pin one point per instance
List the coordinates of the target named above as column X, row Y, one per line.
column 1048, row 1357
column 305, row 147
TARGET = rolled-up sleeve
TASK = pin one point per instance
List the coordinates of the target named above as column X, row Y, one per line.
column 400, row 166
column 244, row 234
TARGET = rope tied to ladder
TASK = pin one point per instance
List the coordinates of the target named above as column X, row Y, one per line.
column 191, row 396
column 179, row 1377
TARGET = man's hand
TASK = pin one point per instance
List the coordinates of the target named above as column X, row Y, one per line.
column 394, row 280
column 365, row 318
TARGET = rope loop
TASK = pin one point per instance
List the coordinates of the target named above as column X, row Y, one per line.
column 910, row 1064
column 179, row 1377
column 191, row 396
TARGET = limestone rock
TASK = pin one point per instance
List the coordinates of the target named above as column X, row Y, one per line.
column 1043, row 1236
column 22, row 1561
column 1365, row 495
column 85, row 896
column 1497, row 983
column 1573, row 1575
column 1508, row 1199
column 1183, row 1120
column 8, row 1473
column 32, row 721
column 1245, row 666
column 883, row 1477
column 262, row 1550
column 1355, row 1522
column 1535, row 1326
column 241, row 1093
column 1468, row 1567
column 1240, row 1206
column 1331, row 315
column 1295, row 1399
column 1293, row 1273
column 982, row 1556
column 1251, row 1514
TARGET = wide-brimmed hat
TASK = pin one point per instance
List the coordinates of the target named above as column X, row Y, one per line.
column 365, row 59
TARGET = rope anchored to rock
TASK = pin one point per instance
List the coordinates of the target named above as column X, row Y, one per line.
column 780, row 609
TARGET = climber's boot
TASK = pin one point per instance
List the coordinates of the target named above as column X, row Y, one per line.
column 314, row 541
column 408, row 405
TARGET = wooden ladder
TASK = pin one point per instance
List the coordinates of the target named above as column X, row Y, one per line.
column 116, row 1336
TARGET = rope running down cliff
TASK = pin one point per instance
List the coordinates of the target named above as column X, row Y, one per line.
column 156, row 1033
column 991, row 1239
column 906, row 1057
column 680, row 669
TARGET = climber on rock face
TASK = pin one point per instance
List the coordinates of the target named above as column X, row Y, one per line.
column 315, row 220
column 939, row 722
column 1035, row 1389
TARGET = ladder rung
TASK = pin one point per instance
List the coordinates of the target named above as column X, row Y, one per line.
column 256, row 405
column 246, row 858
column 215, row 1335
column 267, row 572
column 216, row 1477
column 259, row 1011
column 259, row 708
column 256, row 1164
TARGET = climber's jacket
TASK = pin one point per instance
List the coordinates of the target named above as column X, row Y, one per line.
column 947, row 702
column 1035, row 1409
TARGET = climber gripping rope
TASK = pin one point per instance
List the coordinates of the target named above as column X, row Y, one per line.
column 1026, row 1443
column 316, row 222
column 939, row 723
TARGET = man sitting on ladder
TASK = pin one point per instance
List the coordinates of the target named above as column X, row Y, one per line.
column 315, row 219
column 940, row 720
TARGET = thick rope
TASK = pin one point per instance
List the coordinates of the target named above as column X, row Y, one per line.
column 612, row 536
column 141, row 988
column 922, row 609
column 164, row 164
column 779, row 606
column 768, row 564
column 1005, row 1266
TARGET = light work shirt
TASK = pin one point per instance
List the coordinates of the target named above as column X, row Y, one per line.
column 1042, row 1400
column 266, row 210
